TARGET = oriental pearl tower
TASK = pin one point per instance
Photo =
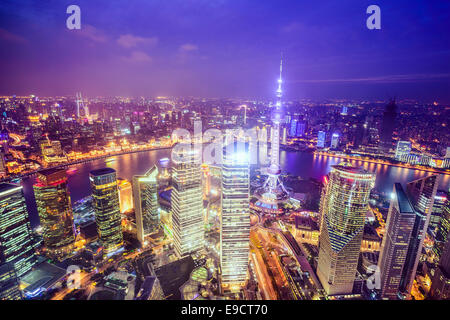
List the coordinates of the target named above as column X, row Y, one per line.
column 273, row 190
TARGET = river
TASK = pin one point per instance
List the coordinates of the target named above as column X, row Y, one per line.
column 303, row 164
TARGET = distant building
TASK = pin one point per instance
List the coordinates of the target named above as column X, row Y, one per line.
column 17, row 244
column 55, row 212
column 334, row 141
column 437, row 210
column 146, row 207
column 387, row 127
column 343, row 210
column 187, row 203
column 107, row 211
column 321, row 139
column 402, row 151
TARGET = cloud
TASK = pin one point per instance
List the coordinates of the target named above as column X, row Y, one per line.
column 138, row 56
column 90, row 32
column 129, row 40
column 399, row 78
column 11, row 37
column 188, row 47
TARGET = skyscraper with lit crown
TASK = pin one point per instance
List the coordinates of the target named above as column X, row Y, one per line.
column 187, row 202
column 107, row 211
column 235, row 218
column 55, row 212
column 343, row 210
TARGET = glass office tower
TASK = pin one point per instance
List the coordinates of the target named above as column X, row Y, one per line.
column 55, row 212
column 17, row 245
column 235, row 218
column 107, row 211
column 146, row 207
column 187, row 202
column 343, row 210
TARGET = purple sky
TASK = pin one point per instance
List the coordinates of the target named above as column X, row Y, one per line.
column 227, row 48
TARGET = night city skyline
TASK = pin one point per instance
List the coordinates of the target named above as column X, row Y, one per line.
column 226, row 49
column 224, row 158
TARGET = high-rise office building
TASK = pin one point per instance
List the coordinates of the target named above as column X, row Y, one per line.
column 187, row 202
column 235, row 218
column 146, row 207
column 440, row 284
column 55, row 212
column 125, row 195
column 394, row 248
column 343, row 210
column 105, row 197
column 421, row 193
column 17, row 245
column 437, row 210
column 321, row 139
column 387, row 127
column 9, row 283
column 403, row 150
column 334, row 141
column 443, row 231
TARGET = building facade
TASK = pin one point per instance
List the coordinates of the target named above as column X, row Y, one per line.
column 107, row 211
column 235, row 218
column 17, row 245
column 53, row 203
column 146, row 207
column 187, row 202
column 343, row 210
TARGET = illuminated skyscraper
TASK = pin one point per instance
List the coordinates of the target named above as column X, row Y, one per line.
column 334, row 141
column 146, row 207
column 125, row 195
column 107, row 211
column 9, row 283
column 235, row 218
column 321, row 139
column 394, row 248
column 55, row 212
column 443, row 233
column 343, row 211
column 421, row 193
column 17, row 245
column 440, row 285
column 187, row 202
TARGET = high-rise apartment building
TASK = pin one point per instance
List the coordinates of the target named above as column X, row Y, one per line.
column 343, row 210
column 403, row 150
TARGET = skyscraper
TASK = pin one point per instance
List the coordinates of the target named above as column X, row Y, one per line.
column 421, row 193
column 394, row 248
column 55, row 212
column 387, row 127
column 440, row 285
column 9, row 283
column 16, row 241
column 146, row 207
column 235, row 218
column 187, row 202
column 107, row 211
column 442, row 235
column 321, row 139
column 334, row 141
column 343, row 211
